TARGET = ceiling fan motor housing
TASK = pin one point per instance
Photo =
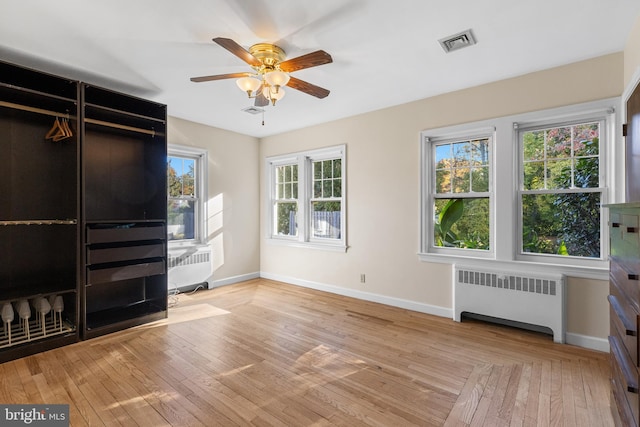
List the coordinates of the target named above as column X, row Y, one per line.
column 269, row 54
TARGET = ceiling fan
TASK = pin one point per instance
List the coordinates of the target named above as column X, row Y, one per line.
column 271, row 71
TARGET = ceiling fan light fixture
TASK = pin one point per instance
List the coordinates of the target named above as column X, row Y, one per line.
column 274, row 95
column 277, row 78
column 248, row 84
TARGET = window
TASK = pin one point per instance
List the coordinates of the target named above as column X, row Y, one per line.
column 521, row 190
column 561, row 189
column 306, row 204
column 460, row 194
column 185, row 188
column 286, row 200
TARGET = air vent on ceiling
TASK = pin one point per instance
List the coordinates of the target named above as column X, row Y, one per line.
column 457, row 41
column 253, row 110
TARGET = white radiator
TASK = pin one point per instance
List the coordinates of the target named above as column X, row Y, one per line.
column 534, row 299
column 189, row 267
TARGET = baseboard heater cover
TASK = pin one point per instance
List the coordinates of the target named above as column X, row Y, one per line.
column 190, row 269
column 515, row 297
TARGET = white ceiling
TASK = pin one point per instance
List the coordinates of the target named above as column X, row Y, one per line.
column 384, row 52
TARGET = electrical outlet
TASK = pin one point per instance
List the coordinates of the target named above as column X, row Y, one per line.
column 362, row 278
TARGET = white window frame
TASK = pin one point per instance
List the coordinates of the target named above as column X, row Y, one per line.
column 304, row 160
column 506, row 241
column 428, row 180
column 200, row 156
column 521, row 127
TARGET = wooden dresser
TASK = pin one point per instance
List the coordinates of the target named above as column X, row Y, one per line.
column 624, row 302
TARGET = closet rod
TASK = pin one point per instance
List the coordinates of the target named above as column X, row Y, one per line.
column 33, row 109
column 117, row 126
column 41, row 222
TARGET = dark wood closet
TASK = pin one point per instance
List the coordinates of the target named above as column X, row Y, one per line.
column 82, row 211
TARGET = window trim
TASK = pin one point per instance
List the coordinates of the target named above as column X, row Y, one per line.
column 304, row 160
column 200, row 156
column 506, row 186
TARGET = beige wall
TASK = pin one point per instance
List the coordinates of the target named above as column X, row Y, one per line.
column 232, row 205
column 383, row 188
column 632, row 55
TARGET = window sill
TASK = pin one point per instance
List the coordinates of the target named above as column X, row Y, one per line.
column 330, row 247
column 595, row 273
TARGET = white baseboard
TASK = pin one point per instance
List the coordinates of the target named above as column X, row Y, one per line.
column 592, row 343
column 585, row 341
column 233, row 279
column 366, row 296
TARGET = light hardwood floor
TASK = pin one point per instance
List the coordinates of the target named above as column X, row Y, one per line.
column 265, row 353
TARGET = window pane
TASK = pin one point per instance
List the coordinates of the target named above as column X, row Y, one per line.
column 325, row 220
column 461, row 181
column 462, row 223
column 559, row 143
column 460, row 153
column 443, row 154
column 188, row 186
column 534, row 176
column 327, row 188
column 561, row 224
column 327, row 170
column 587, row 173
column 317, row 189
column 480, row 177
column 559, row 174
column 337, row 188
column 181, row 219
column 287, row 191
column 317, row 170
column 533, row 143
column 443, row 181
column 587, row 139
column 480, row 151
column 337, row 168
column 286, row 218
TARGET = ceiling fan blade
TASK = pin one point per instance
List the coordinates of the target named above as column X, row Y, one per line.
column 308, row 88
column 238, row 51
column 313, row 59
column 219, row 77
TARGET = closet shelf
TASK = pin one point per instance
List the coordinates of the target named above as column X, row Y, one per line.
column 126, row 113
column 37, row 92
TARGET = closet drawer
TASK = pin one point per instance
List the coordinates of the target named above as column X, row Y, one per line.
column 626, row 277
column 624, row 379
column 624, row 327
column 132, row 271
column 124, row 253
column 126, row 233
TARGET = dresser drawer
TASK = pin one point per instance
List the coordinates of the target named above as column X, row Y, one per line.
column 627, row 279
column 124, row 253
column 624, row 232
column 115, row 233
column 624, row 326
column 624, row 380
column 132, row 271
